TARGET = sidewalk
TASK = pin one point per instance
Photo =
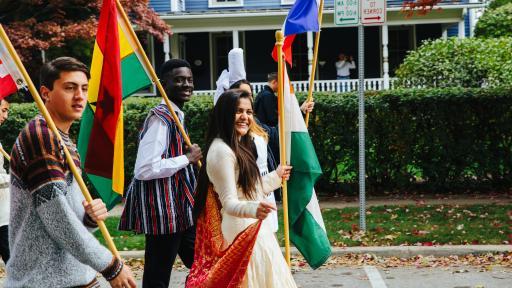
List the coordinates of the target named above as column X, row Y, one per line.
column 393, row 251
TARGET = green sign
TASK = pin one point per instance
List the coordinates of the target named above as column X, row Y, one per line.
column 346, row 12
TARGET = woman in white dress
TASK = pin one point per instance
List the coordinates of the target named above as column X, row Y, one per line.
column 232, row 170
column 262, row 136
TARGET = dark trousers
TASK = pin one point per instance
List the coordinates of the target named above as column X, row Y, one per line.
column 4, row 243
column 161, row 251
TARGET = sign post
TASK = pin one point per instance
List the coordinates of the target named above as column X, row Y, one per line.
column 352, row 13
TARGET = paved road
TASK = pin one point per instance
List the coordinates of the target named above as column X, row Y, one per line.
column 372, row 277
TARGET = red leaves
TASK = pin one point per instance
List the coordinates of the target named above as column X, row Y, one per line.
column 422, row 7
column 51, row 23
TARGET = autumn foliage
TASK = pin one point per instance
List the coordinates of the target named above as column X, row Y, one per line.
column 421, row 7
column 42, row 24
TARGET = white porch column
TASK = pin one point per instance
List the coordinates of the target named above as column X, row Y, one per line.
column 310, row 52
column 175, row 6
column 462, row 25
column 445, row 31
column 175, row 46
column 385, row 56
column 236, row 43
column 166, row 47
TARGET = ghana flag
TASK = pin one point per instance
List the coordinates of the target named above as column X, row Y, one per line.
column 117, row 72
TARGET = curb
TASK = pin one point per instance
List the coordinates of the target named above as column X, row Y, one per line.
column 391, row 251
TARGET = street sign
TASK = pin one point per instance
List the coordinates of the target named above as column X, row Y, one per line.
column 373, row 11
column 346, row 12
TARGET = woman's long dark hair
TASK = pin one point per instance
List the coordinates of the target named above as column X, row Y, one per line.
column 222, row 125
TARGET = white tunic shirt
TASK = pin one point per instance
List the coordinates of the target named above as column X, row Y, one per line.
column 149, row 164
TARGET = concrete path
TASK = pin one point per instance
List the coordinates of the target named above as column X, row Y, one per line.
column 361, row 277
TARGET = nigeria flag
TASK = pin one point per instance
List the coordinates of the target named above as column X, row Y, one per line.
column 307, row 230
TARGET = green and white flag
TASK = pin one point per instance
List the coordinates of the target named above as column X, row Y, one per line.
column 307, row 229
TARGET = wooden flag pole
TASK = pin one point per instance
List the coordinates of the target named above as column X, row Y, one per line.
column 282, row 142
column 154, row 77
column 5, row 154
column 315, row 58
column 51, row 125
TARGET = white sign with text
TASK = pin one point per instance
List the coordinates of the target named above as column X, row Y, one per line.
column 346, row 12
column 373, row 11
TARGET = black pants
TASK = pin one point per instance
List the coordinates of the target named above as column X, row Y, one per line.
column 161, row 251
column 4, row 243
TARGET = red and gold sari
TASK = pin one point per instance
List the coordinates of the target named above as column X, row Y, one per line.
column 214, row 266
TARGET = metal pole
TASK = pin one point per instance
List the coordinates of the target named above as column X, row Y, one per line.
column 362, row 173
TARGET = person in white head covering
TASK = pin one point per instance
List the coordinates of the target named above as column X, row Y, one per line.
column 234, row 78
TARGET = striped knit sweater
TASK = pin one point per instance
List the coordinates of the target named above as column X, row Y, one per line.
column 50, row 245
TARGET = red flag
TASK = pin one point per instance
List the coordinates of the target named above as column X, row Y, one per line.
column 7, row 84
column 99, row 158
column 287, row 49
column 10, row 78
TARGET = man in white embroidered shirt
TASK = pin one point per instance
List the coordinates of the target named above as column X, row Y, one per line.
column 161, row 197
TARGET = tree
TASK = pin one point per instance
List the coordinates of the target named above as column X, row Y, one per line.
column 498, row 3
column 421, row 7
column 35, row 25
column 495, row 22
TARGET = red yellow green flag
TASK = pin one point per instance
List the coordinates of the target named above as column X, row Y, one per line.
column 117, row 72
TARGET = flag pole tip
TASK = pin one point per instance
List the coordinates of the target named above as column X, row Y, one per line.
column 279, row 36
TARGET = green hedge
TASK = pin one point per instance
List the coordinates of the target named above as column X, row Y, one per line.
column 431, row 139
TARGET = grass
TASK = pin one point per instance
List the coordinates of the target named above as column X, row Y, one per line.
column 392, row 225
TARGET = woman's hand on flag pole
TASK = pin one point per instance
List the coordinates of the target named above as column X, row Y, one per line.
column 284, row 171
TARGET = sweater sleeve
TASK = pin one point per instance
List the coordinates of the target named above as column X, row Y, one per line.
column 221, row 165
column 270, row 182
column 64, row 227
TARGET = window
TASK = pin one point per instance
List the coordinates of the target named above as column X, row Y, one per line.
column 225, row 3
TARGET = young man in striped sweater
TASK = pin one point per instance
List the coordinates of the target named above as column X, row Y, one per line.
column 50, row 224
column 161, row 197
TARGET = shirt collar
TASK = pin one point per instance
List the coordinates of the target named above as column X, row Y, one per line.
column 177, row 109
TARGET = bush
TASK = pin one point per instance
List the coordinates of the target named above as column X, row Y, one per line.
column 498, row 3
column 429, row 139
column 470, row 62
column 495, row 23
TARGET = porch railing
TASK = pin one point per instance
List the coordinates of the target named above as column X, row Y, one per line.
column 372, row 84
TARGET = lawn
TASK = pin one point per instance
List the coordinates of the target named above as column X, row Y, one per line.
column 392, row 225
